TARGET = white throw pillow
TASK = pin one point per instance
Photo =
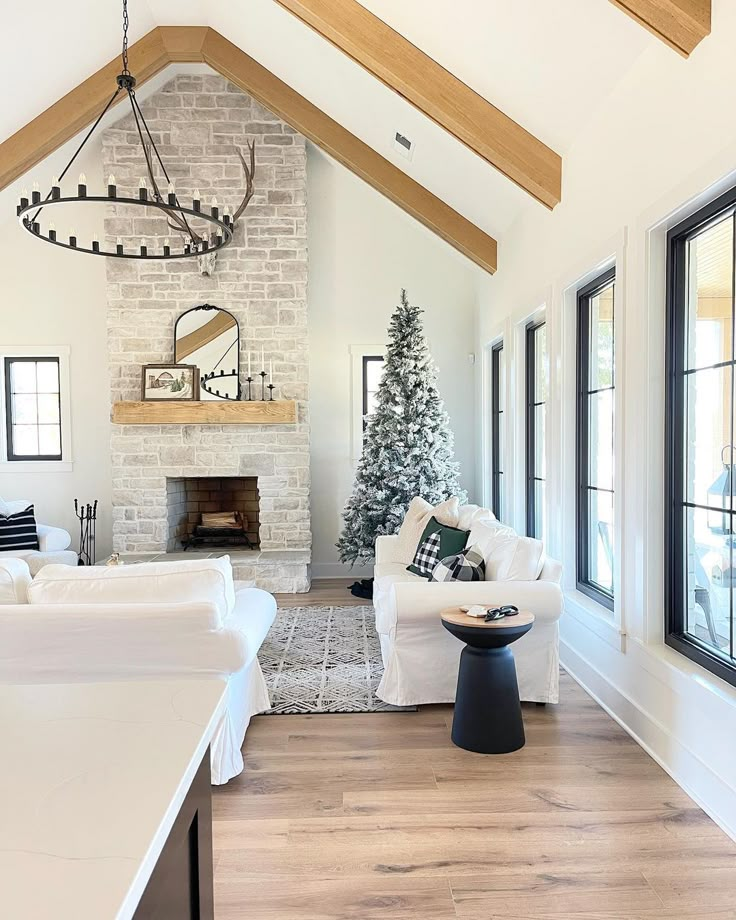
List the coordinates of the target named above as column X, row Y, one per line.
column 525, row 563
column 185, row 581
column 469, row 515
column 13, row 507
column 497, row 542
column 417, row 517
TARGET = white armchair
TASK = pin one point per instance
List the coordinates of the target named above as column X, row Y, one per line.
column 421, row 658
column 53, row 544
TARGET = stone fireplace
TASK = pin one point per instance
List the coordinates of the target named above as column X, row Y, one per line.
column 189, row 497
column 261, row 279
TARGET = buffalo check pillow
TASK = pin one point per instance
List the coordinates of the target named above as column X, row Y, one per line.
column 468, row 565
column 427, row 556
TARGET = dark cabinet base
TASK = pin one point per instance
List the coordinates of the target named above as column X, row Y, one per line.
column 181, row 885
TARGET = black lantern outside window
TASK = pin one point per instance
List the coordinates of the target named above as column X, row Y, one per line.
column 719, row 496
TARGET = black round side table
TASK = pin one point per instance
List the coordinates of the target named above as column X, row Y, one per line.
column 487, row 716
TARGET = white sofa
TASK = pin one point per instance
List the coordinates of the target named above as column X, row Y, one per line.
column 421, row 658
column 64, row 626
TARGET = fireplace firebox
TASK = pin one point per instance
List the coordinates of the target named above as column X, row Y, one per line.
column 212, row 512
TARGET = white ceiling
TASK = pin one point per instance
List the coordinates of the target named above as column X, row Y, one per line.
column 546, row 64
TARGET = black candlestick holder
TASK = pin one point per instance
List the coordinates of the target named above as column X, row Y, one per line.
column 249, row 381
column 270, row 390
column 263, row 376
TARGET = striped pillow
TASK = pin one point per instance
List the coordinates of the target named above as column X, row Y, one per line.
column 18, row 531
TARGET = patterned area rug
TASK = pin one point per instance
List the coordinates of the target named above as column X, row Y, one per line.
column 323, row 659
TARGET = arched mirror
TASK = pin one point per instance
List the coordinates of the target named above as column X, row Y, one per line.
column 210, row 338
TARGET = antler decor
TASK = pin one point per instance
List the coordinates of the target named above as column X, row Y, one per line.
column 180, row 224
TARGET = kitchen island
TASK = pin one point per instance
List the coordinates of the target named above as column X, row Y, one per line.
column 105, row 803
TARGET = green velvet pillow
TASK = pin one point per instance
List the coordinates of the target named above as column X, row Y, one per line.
column 452, row 541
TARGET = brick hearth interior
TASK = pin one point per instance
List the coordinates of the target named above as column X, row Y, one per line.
column 261, row 278
column 188, row 497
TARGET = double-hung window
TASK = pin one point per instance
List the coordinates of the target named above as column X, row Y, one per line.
column 498, row 401
column 595, row 438
column 32, row 408
column 699, row 485
column 536, row 399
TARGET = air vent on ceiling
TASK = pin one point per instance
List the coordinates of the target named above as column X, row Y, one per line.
column 404, row 145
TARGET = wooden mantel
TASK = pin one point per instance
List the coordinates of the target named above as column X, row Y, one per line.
column 205, row 412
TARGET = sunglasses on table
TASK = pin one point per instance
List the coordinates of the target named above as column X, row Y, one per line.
column 498, row 613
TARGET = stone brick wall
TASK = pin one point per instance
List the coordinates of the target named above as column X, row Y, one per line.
column 261, row 278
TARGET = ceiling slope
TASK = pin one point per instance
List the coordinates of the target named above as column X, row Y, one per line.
column 167, row 44
column 436, row 92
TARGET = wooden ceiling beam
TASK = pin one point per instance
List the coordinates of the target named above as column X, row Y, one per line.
column 437, row 93
column 681, row 24
column 241, row 69
column 190, row 44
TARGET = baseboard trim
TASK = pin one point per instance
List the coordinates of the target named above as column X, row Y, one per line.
column 597, row 686
column 340, row 570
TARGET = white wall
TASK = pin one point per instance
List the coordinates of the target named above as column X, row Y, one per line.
column 54, row 297
column 663, row 138
column 362, row 251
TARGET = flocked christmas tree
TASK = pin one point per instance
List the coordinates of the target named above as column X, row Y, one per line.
column 408, row 444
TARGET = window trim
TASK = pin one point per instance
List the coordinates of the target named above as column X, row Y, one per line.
column 582, row 439
column 675, row 633
column 496, row 413
column 39, row 352
column 10, row 454
column 530, row 358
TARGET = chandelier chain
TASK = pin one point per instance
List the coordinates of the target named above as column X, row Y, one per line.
column 126, row 22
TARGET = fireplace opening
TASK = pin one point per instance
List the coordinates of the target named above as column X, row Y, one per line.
column 212, row 512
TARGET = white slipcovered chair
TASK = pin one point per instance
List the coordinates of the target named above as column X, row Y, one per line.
column 171, row 619
column 421, row 658
column 53, row 542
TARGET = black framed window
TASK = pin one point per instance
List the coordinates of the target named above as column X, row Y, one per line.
column 371, row 377
column 498, row 403
column 595, row 438
column 536, row 400
column 700, row 524
column 32, row 408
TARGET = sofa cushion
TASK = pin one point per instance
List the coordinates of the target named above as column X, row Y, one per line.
column 470, row 515
column 15, row 577
column 12, row 507
column 18, row 530
column 415, row 522
column 496, row 542
column 525, row 563
column 189, row 580
column 468, row 565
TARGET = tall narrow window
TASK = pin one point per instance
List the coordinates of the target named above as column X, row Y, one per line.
column 700, row 526
column 498, row 403
column 32, row 409
column 536, row 399
column 595, row 445
column 372, row 371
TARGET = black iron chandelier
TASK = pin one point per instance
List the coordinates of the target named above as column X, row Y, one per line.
column 202, row 229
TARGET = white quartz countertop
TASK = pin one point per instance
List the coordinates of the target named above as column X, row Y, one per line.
column 92, row 777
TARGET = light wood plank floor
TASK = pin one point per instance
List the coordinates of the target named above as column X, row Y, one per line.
column 380, row 817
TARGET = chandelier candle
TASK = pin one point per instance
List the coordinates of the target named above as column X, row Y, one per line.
column 82, row 186
column 111, row 187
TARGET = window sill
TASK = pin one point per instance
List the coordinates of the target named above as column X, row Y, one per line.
column 594, row 616
column 36, row 466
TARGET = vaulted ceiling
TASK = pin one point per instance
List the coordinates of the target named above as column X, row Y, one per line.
column 544, row 64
